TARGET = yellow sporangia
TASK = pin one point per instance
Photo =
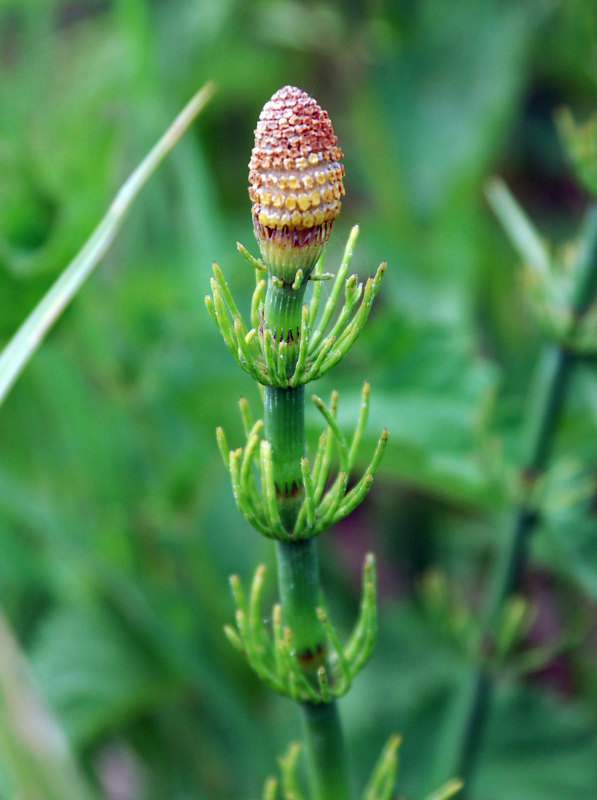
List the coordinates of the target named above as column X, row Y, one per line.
column 295, row 175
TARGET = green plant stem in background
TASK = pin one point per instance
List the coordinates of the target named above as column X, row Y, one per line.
column 476, row 692
column 556, row 367
column 547, row 403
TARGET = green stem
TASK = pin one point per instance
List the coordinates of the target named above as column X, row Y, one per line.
column 298, row 567
column 284, row 418
column 325, row 752
column 300, row 594
column 553, row 380
column 282, row 312
column 467, row 725
column 475, row 696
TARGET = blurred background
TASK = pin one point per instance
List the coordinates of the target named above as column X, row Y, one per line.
column 117, row 525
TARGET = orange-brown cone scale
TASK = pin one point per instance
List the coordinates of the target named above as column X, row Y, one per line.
column 296, row 182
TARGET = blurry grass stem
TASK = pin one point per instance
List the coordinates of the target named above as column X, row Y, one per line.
column 554, row 372
column 20, row 349
column 35, row 753
column 522, row 233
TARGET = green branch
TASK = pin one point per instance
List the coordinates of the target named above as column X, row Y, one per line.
column 556, row 366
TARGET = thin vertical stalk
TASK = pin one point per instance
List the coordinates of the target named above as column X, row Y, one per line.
column 467, row 724
column 284, row 418
column 476, row 694
column 551, row 388
column 298, row 567
column 300, row 593
column 300, row 590
column 325, row 751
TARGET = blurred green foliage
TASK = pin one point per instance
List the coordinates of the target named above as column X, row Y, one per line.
column 117, row 530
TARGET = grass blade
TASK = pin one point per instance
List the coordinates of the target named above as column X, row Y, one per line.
column 19, row 350
column 33, row 749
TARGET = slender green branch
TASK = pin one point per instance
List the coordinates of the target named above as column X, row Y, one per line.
column 465, row 731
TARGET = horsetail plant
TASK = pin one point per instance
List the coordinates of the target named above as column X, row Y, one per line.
column 296, row 188
column 564, row 301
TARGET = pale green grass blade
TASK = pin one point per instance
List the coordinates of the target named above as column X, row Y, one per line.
column 520, row 230
column 33, row 750
column 27, row 339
